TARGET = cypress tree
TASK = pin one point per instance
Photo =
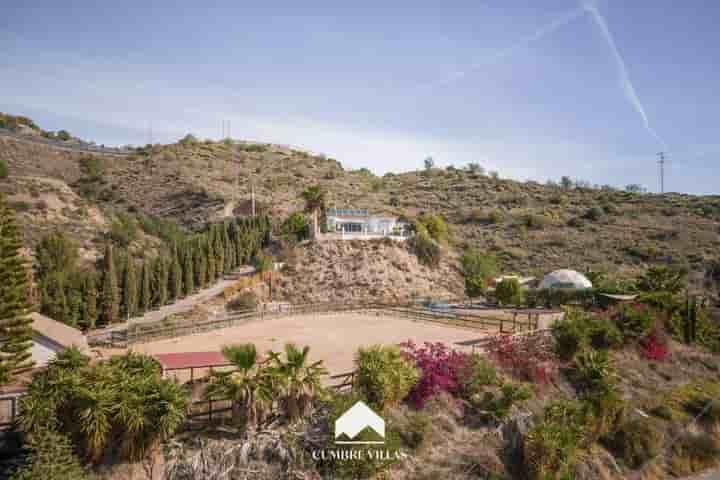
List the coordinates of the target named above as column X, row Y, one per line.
column 161, row 282
column 109, row 297
column 90, row 301
column 200, row 267
column 145, row 287
column 210, row 256
column 188, row 273
column 15, row 322
column 219, row 250
column 54, row 302
column 129, row 288
column 175, row 277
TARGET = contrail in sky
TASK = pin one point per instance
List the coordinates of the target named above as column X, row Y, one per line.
column 628, row 89
column 541, row 32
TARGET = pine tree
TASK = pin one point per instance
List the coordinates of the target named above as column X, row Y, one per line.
column 129, row 289
column 161, row 282
column 15, row 322
column 188, row 273
column 145, row 287
column 109, row 297
column 90, row 301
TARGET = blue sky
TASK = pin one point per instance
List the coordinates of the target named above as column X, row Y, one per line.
column 533, row 89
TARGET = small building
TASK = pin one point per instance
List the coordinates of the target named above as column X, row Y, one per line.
column 51, row 337
column 358, row 223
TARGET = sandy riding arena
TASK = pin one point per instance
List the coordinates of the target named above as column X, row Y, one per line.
column 333, row 338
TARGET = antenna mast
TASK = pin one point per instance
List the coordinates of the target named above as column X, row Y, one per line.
column 661, row 155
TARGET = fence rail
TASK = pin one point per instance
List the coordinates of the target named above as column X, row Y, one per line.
column 163, row 329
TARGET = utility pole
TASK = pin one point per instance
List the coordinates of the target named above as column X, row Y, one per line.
column 661, row 155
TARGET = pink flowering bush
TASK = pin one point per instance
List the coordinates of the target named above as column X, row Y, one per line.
column 441, row 370
column 526, row 358
column 655, row 346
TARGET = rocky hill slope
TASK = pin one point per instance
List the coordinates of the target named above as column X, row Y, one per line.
column 531, row 228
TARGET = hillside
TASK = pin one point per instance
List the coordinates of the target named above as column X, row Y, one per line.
column 531, row 228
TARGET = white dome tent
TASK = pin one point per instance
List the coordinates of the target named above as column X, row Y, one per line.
column 565, row 279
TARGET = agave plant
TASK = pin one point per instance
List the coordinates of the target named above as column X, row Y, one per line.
column 299, row 382
column 249, row 387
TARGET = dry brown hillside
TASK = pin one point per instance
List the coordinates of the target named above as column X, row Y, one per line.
column 531, row 228
column 339, row 271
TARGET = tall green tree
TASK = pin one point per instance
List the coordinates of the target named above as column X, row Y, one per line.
column 129, row 288
column 175, row 289
column 200, row 267
column 219, row 250
column 160, row 294
column 90, row 301
column 314, row 197
column 15, row 322
column 210, row 255
column 110, row 295
column 53, row 301
column 145, row 298
column 188, row 273
column 477, row 269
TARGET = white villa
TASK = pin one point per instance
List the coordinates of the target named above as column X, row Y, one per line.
column 352, row 224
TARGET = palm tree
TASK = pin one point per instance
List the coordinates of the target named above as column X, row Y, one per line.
column 299, row 382
column 314, row 197
column 250, row 387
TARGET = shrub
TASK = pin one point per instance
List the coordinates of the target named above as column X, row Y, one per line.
column 296, row 227
column 570, row 335
column 124, row 230
column 527, row 359
column 604, row 334
column 592, row 372
column 705, row 408
column 20, row 206
column 534, row 221
column 50, row 456
column 634, row 321
column 662, row 411
column 635, row 442
column 693, row 453
column 425, row 248
column 417, row 431
column 509, row 292
column 262, row 262
column 440, row 370
column 477, row 270
column 655, row 346
column 593, row 214
column 244, row 301
column 435, row 227
column 124, row 405
column 477, row 374
column 383, row 375
column 4, row 171
column 552, row 446
column 497, row 408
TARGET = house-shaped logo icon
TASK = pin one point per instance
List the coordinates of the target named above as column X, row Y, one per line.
column 357, row 419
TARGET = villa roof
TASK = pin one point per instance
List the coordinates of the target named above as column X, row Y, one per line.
column 172, row 361
column 60, row 333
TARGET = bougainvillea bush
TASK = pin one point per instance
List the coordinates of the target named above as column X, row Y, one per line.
column 526, row 358
column 655, row 346
column 441, row 370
